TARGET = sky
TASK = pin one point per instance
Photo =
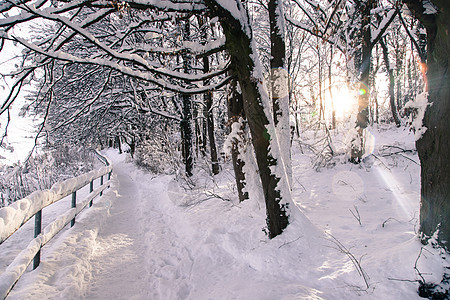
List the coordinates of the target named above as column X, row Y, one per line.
column 20, row 130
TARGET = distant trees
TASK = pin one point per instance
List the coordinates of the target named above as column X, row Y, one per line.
column 42, row 171
column 352, row 27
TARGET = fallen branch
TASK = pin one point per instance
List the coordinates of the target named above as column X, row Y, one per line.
column 387, row 220
column 287, row 243
column 379, row 159
column 409, row 159
column 356, row 262
column 400, row 150
column 356, row 214
column 405, row 280
column 214, row 195
column 415, row 265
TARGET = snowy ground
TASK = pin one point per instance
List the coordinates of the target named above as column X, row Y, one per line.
column 152, row 237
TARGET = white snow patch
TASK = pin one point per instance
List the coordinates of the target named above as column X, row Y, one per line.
column 430, row 8
column 419, row 105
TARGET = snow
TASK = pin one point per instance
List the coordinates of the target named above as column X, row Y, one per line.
column 419, row 105
column 385, row 22
column 233, row 137
column 430, row 8
column 152, row 237
column 16, row 214
column 238, row 12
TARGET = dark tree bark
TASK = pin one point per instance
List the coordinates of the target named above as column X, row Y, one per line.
column 279, row 82
column 199, row 137
column 240, row 48
column 391, row 83
column 118, row 144
column 363, row 66
column 132, row 145
column 434, row 146
column 186, row 135
column 208, row 115
column 186, row 122
column 208, row 100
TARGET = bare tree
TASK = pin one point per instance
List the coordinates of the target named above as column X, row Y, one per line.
column 121, row 45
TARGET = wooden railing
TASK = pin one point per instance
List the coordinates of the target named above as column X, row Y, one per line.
column 18, row 213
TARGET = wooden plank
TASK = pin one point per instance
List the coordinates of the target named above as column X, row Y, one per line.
column 18, row 213
column 19, row 265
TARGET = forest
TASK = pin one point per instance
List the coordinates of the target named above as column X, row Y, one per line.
column 201, row 88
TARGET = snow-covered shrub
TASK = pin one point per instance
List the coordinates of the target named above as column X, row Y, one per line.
column 159, row 154
column 42, row 171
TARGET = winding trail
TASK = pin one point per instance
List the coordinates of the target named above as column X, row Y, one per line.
column 149, row 238
column 138, row 255
column 118, row 260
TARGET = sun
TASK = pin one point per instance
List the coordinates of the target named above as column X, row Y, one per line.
column 344, row 102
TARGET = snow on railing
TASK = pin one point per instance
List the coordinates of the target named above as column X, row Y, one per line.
column 18, row 213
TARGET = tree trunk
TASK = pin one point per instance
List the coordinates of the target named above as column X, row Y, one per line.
column 132, row 145
column 117, row 144
column 434, row 146
column 333, row 110
column 247, row 69
column 186, row 135
column 199, row 150
column 208, row 112
column 391, row 84
column 208, row 99
column 186, row 122
column 363, row 65
column 279, row 82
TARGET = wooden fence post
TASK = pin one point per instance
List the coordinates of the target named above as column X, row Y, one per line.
column 101, row 183
column 91, row 188
column 37, row 231
column 74, row 204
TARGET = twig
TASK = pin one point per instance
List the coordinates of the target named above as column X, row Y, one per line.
column 385, row 147
column 357, row 215
column 363, row 198
column 214, row 195
column 406, row 280
column 287, row 243
column 342, row 182
column 388, row 219
column 409, row 158
column 298, row 181
column 379, row 159
column 187, row 204
column 417, row 260
column 356, row 263
column 210, row 195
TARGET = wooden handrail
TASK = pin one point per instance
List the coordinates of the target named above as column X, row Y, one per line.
column 18, row 213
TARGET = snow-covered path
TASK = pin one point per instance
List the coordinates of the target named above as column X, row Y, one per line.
column 148, row 238
column 152, row 246
column 152, row 237
column 135, row 250
column 118, row 259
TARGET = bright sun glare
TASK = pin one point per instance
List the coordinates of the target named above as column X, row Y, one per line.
column 344, row 102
